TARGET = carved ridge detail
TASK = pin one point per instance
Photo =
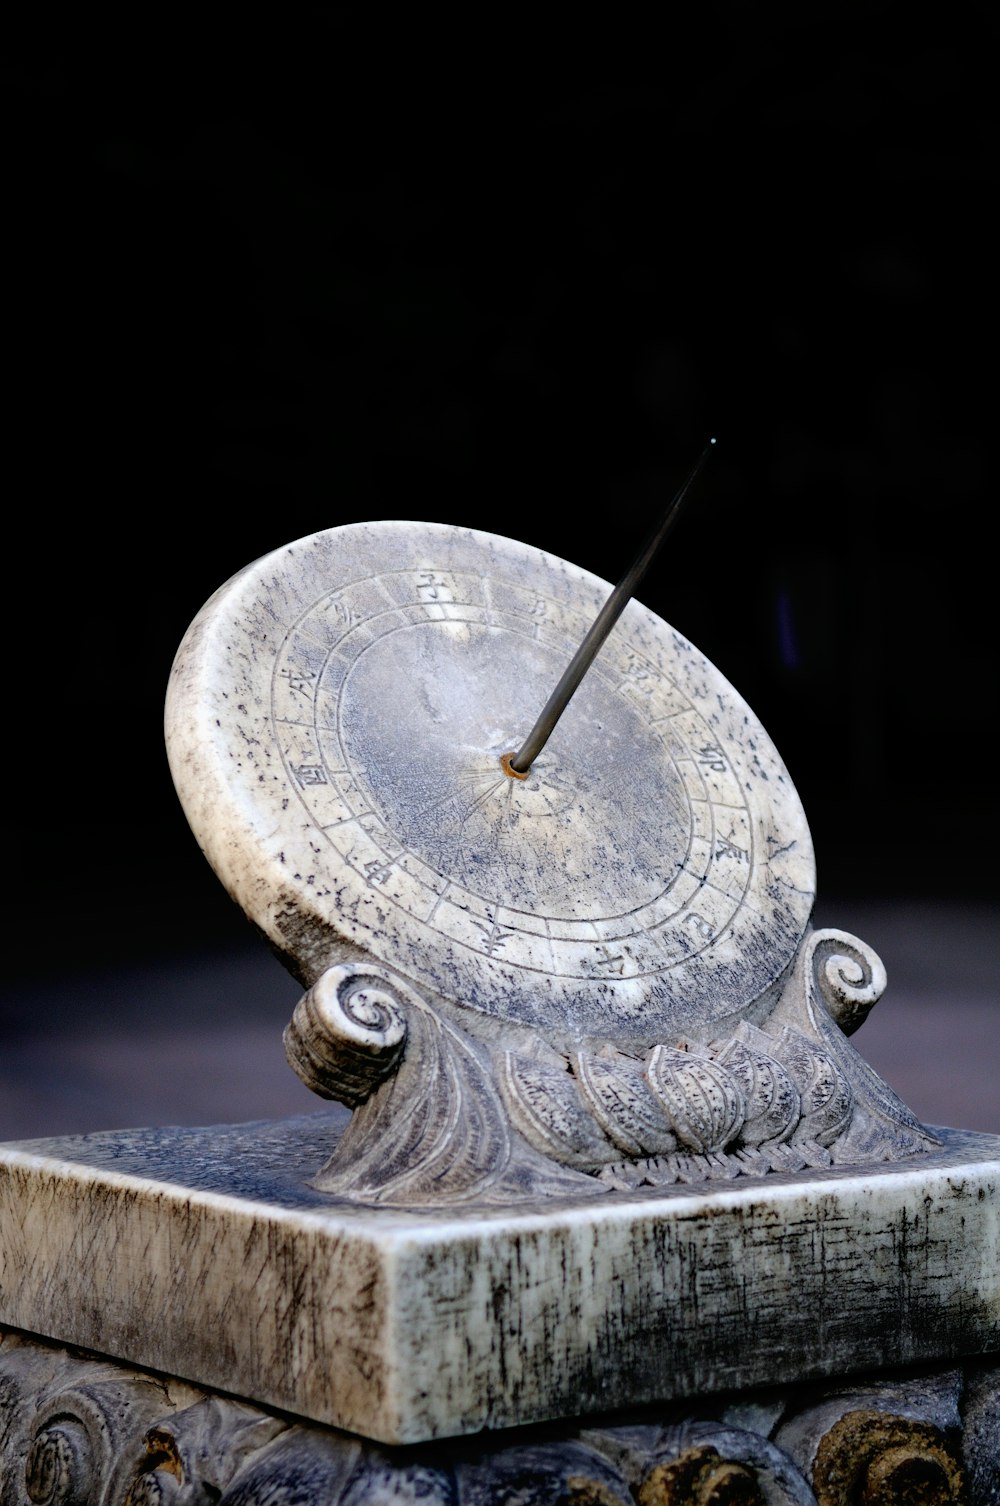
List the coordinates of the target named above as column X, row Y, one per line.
column 702, row 1099
column 773, row 1103
column 618, row 1093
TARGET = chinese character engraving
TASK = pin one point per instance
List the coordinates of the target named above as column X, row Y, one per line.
column 300, row 681
column 494, row 936
column 310, row 773
column 340, row 612
column 727, row 848
column 608, row 962
column 431, row 586
column 638, row 677
column 712, row 756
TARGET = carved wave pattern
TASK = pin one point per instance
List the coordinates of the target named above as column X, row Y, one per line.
column 429, row 1126
column 440, row 1117
column 843, row 979
column 749, row 1105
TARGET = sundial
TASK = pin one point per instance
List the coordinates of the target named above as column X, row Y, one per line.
column 602, row 1136
column 546, row 947
column 652, row 871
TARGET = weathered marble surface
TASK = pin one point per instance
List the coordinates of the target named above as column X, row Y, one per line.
column 206, row 1254
column 78, row 1431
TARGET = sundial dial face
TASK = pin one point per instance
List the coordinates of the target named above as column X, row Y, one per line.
column 335, row 724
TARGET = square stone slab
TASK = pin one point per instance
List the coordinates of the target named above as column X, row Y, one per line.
column 204, row 1253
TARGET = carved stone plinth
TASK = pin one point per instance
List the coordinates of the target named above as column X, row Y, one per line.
column 78, row 1431
column 209, row 1254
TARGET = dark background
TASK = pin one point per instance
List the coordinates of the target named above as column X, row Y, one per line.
column 273, row 271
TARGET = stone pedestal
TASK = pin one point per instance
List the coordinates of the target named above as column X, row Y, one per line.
column 206, row 1254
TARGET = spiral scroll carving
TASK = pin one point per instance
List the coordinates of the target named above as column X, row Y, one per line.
column 780, row 1095
column 843, row 979
column 699, row 1477
column 348, row 1033
column 850, row 977
column 78, row 1442
column 60, row 1467
column 875, row 1459
column 702, row 1461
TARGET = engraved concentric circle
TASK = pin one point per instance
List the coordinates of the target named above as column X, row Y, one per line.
column 655, row 864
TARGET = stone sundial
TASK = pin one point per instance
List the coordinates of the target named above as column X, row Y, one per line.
column 651, row 872
column 603, row 1139
column 523, row 972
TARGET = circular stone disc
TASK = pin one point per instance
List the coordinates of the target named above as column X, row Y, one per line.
column 335, row 721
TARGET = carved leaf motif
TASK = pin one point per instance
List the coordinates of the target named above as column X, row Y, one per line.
column 437, row 1120
column 701, row 1099
column 617, row 1093
column 546, row 1106
column 827, row 1100
column 771, row 1099
column 429, row 1124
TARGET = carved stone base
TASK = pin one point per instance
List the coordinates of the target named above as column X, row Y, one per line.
column 206, row 1254
column 78, row 1431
